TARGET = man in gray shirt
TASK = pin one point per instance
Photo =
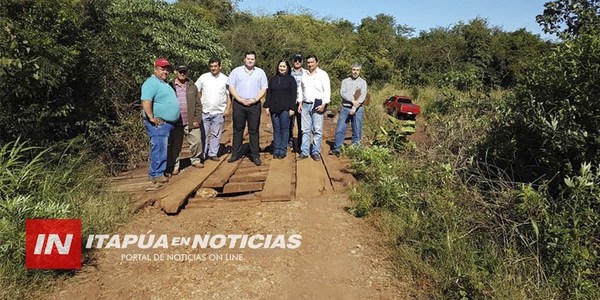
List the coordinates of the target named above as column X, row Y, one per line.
column 353, row 92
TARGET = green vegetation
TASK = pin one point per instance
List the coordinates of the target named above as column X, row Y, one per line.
column 499, row 200
column 49, row 184
column 502, row 199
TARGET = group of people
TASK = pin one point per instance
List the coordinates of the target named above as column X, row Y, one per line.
column 294, row 95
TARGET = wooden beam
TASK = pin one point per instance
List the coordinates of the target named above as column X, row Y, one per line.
column 242, row 187
column 173, row 197
column 278, row 185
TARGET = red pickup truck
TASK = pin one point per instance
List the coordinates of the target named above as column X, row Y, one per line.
column 402, row 107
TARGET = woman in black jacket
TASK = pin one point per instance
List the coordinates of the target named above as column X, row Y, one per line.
column 280, row 105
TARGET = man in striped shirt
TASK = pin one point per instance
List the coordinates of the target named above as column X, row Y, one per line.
column 189, row 123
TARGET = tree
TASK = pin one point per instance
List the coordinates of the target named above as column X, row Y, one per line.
column 569, row 18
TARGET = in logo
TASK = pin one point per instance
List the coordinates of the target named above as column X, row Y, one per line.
column 53, row 244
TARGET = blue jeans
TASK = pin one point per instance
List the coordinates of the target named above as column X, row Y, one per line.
column 340, row 130
column 312, row 122
column 281, row 132
column 159, row 142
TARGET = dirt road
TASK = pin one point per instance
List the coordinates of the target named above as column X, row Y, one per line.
column 340, row 256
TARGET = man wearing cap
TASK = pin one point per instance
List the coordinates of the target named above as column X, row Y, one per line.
column 189, row 123
column 160, row 112
column 247, row 85
column 297, row 72
column 216, row 104
column 353, row 92
column 316, row 94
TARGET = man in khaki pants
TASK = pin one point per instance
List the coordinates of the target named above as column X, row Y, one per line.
column 189, row 123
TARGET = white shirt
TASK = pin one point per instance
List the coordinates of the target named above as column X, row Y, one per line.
column 316, row 86
column 214, row 92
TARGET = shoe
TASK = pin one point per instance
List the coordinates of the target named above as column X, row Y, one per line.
column 233, row 159
column 302, row 156
column 257, row 161
column 175, row 172
column 196, row 164
column 214, row 158
column 160, row 179
column 334, row 152
column 316, row 157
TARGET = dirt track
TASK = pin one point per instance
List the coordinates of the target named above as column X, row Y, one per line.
column 341, row 257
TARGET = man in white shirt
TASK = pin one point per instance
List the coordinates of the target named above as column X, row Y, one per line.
column 216, row 104
column 316, row 94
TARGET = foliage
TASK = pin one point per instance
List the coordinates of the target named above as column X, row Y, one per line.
column 48, row 185
column 570, row 18
column 115, row 43
column 552, row 126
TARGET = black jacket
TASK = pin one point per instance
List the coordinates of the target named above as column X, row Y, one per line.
column 281, row 93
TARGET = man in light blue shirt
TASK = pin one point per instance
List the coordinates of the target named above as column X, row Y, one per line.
column 160, row 111
column 247, row 85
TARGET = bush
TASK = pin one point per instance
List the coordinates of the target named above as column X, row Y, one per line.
column 37, row 183
column 552, row 125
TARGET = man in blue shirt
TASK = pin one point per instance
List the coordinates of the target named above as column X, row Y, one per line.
column 160, row 111
column 247, row 85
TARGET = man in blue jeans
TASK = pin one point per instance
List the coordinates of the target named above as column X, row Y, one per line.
column 316, row 94
column 160, row 111
column 353, row 92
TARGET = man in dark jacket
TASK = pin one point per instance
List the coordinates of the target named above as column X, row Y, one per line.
column 189, row 123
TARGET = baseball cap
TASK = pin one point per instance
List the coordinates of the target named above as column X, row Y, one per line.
column 162, row 62
column 298, row 57
column 181, row 67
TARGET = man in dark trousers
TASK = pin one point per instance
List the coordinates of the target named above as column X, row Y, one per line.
column 247, row 85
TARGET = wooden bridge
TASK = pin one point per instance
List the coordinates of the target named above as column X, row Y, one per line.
column 219, row 181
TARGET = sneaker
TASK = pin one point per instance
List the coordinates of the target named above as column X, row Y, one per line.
column 257, row 161
column 214, row 158
column 302, row 156
column 316, row 157
column 334, row 152
column 198, row 164
column 154, row 187
column 160, row 179
column 233, row 159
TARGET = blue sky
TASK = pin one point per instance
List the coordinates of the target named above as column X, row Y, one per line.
column 510, row 15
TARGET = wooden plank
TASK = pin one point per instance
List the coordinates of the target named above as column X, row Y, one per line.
column 174, row 195
column 251, row 170
column 334, row 165
column 241, row 187
column 251, row 177
column 278, row 186
column 311, row 178
column 213, row 202
column 221, row 175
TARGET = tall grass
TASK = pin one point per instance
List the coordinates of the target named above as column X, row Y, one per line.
column 44, row 183
column 459, row 233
